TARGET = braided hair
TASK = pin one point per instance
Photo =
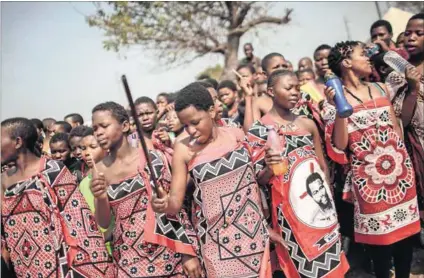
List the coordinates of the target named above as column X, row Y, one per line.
column 341, row 51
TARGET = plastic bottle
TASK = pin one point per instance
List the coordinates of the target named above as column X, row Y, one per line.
column 344, row 109
column 275, row 144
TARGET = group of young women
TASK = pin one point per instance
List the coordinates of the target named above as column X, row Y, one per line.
column 212, row 203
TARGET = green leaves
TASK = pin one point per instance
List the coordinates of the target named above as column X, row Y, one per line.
column 176, row 31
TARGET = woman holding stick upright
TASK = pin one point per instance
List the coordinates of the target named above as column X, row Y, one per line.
column 122, row 187
column 227, row 209
column 381, row 180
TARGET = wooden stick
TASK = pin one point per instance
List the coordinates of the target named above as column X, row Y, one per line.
column 140, row 133
column 238, row 74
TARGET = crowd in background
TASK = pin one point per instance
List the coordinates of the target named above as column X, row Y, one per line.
column 253, row 177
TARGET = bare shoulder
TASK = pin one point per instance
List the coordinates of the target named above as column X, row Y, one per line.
column 182, row 148
column 306, row 123
column 264, row 101
column 238, row 132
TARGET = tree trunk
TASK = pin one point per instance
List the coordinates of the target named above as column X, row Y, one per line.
column 231, row 59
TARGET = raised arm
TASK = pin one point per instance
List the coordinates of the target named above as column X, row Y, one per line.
column 98, row 187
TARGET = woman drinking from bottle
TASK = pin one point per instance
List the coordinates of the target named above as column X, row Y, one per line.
column 380, row 181
column 303, row 210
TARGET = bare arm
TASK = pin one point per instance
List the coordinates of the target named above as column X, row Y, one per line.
column 340, row 134
column 99, row 187
column 256, row 109
column 103, row 214
column 248, row 115
column 179, row 179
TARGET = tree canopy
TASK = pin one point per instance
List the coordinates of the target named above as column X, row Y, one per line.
column 179, row 32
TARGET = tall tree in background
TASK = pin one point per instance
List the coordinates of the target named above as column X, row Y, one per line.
column 410, row 6
column 179, row 32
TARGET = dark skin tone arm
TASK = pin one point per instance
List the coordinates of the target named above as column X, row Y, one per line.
column 340, row 132
column 340, row 135
column 171, row 203
column 98, row 187
column 248, row 96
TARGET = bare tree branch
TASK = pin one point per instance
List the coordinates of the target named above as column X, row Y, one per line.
column 243, row 12
column 180, row 31
column 265, row 19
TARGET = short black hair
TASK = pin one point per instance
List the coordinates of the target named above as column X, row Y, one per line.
column 172, row 97
column 248, row 66
column 321, row 47
column 76, row 118
column 87, row 132
column 205, row 84
column 78, row 131
column 118, row 111
column 37, row 123
column 382, row 23
column 248, row 43
column 227, row 84
column 417, row 16
column 147, row 100
column 165, row 95
column 23, row 128
column 66, row 126
column 272, row 79
column 196, row 95
column 203, row 76
column 310, row 179
column 267, row 58
column 60, row 137
column 299, row 72
column 47, row 122
column 212, row 81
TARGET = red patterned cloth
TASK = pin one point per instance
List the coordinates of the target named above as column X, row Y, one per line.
column 226, row 210
column 303, row 210
column 49, row 230
column 134, row 253
column 166, row 149
column 227, row 122
column 381, row 180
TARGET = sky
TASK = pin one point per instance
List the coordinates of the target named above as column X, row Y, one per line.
column 54, row 64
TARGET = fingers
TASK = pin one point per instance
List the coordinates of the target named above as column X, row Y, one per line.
column 160, row 202
column 161, row 192
column 98, row 185
column 193, row 272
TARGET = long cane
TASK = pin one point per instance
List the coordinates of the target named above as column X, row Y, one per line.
column 140, row 133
